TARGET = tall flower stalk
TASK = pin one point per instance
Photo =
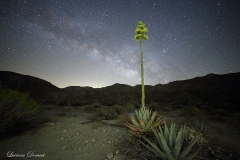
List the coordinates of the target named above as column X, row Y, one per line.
column 141, row 31
column 144, row 120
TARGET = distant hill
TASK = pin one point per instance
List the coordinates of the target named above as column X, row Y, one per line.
column 78, row 89
column 35, row 87
column 220, row 90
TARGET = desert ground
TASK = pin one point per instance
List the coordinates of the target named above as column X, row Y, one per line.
column 71, row 133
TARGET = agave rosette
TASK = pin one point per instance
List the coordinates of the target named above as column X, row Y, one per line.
column 143, row 121
column 170, row 144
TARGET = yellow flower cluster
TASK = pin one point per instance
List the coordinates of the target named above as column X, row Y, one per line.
column 141, row 31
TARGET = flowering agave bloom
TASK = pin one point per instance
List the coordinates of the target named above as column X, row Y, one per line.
column 143, row 121
column 141, row 31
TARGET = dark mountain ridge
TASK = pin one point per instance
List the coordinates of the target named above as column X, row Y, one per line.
column 218, row 89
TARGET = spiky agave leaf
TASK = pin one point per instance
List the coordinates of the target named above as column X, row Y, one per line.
column 178, row 144
column 151, row 119
column 157, row 135
column 170, row 140
column 188, row 148
column 163, row 143
column 155, row 149
column 166, row 149
column 174, row 134
column 134, row 128
column 145, row 118
column 166, row 132
column 147, row 113
column 157, row 122
column 136, row 114
column 191, row 156
column 134, row 121
column 142, row 124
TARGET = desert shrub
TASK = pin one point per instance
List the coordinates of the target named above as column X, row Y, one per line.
column 79, row 102
column 100, row 113
column 18, row 112
column 154, row 106
column 110, row 115
column 189, row 111
column 119, row 109
column 123, row 118
column 89, row 108
column 197, row 128
column 130, row 107
column 85, row 102
column 96, row 104
column 64, row 102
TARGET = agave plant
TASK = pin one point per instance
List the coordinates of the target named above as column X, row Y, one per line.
column 143, row 122
column 170, row 144
column 197, row 129
column 198, row 125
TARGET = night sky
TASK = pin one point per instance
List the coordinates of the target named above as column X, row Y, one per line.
column 90, row 42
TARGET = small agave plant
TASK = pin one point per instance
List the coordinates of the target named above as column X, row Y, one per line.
column 143, row 121
column 197, row 129
column 170, row 144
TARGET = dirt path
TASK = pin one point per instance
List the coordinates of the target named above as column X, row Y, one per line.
column 65, row 138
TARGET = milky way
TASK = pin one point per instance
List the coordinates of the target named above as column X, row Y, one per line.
column 90, row 42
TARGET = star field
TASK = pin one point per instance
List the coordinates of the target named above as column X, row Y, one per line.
column 90, row 42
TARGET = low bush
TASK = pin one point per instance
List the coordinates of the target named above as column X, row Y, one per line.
column 18, row 112
column 154, row 106
column 89, row 108
column 123, row 118
column 119, row 109
column 190, row 111
column 130, row 107
column 96, row 104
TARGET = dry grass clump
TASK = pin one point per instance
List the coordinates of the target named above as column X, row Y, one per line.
column 89, row 109
column 123, row 118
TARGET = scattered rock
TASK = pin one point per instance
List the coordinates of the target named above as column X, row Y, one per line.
column 86, row 142
column 117, row 152
column 64, row 147
column 51, row 124
column 110, row 156
column 64, row 131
